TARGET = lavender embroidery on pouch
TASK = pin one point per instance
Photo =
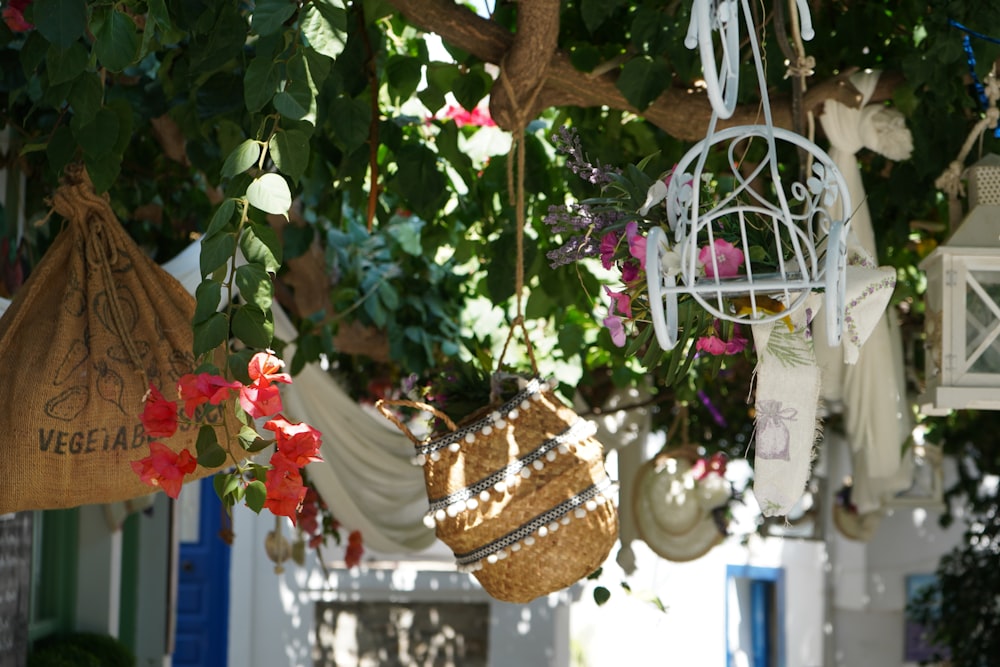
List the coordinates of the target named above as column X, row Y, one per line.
column 772, row 435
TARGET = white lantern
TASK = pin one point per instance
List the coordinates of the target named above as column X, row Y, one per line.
column 962, row 322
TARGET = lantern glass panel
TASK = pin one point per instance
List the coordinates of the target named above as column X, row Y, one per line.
column 982, row 322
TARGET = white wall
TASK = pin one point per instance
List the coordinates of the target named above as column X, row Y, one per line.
column 271, row 622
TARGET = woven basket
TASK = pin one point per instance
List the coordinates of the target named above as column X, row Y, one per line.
column 519, row 493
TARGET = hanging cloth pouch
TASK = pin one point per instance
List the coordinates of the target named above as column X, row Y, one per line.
column 94, row 324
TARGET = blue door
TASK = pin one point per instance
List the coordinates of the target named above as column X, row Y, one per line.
column 202, row 580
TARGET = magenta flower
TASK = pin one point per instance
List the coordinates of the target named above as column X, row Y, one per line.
column 728, row 259
column 630, row 272
column 617, row 330
column 711, row 345
column 609, row 244
column 620, row 302
column 636, row 243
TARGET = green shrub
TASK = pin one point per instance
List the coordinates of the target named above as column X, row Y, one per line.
column 63, row 655
column 81, row 649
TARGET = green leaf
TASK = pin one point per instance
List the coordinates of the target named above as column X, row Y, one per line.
column 260, row 82
column 270, row 194
column 60, row 150
column 65, row 64
column 352, row 118
column 323, row 26
column 269, row 15
column 207, row 296
column 256, row 494
column 298, row 99
column 245, row 156
column 407, row 235
column 601, row 595
column 210, row 334
column 253, row 327
column 403, row 74
column 471, row 87
column 260, row 245
column 221, row 218
column 61, row 22
column 290, row 151
column 97, row 138
column 86, row 95
column 418, row 179
column 596, row 12
column 643, row 79
column 216, row 251
column 585, row 57
column 255, row 285
column 210, row 454
column 116, row 40
column 103, row 170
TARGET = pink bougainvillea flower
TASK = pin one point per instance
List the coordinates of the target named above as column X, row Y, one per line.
column 195, row 390
column 636, row 243
column 165, row 468
column 264, row 365
column 617, row 330
column 630, row 272
column 479, row 117
column 737, row 344
column 609, row 244
column 13, row 15
column 728, row 258
column 298, row 444
column 710, row 345
column 285, row 492
column 355, row 549
column 159, row 416
column 716, row 463
column 261, row 399
column 621, row 302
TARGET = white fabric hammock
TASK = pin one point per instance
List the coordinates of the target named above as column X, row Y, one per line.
column 872, row 392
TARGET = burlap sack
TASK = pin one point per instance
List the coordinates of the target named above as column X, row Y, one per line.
column 95, row 322
column 520, row 494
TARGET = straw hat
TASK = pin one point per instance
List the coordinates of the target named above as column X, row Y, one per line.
column 673, row 506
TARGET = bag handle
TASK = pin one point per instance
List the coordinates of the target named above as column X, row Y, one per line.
column 383, row 403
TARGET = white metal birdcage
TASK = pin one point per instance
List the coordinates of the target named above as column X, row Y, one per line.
column 803, row 223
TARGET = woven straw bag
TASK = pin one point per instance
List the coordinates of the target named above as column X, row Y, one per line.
column 519, row 493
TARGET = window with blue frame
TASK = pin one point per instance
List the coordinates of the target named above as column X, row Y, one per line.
column 755, row 616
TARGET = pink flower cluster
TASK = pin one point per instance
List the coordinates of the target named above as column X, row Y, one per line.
column 631, row 268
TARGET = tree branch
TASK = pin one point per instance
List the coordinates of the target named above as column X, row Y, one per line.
column 681, row 113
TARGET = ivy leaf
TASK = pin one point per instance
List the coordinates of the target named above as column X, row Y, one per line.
column 207, row 297
column 324, row 26
column 210, row 454
column 260, row 82
column 260, row 245
column 418, row 179
column 290, row 151
column 221, row 218
column 255, row 285
column 471, row 87
column 269, row 15
column 61, row 22
column 216, row 251
column 270, row 194
column 65, row 65
column 210, row 334
column 252, row 326
column 643, row 79
column 60, row 150
column 103, row 170
column 116, row 41
column 245, row 156
column 403, row 74
column 256, row 494
column 298, row 100
column 97, row 138
column 352, row 118
column 86, row 95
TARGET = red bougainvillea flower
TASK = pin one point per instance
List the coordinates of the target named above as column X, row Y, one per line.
column 204, row 388
column 285, row 492
column 159, row 416
column 165, row 468
column 714, row 464
column 609, row 244
column 13, row 15
column 266, row 366
column 728, row 259
column 355, row 549
column 298, row 444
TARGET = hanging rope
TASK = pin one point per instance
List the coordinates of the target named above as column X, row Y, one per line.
column 516, row 198
column 950, row 181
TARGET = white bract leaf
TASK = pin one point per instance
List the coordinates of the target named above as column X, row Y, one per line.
column 270, row 194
